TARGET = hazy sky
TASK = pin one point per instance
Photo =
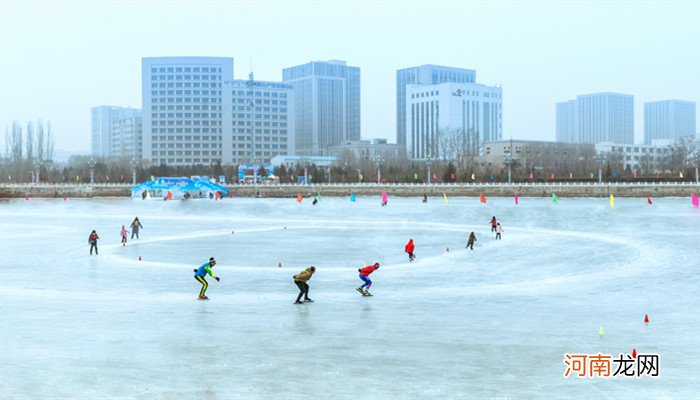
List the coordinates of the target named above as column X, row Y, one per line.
column 58, row 59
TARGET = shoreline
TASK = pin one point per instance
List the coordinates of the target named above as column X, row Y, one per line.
column 567, row 189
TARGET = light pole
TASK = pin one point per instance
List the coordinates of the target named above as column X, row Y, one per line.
column 599, row 159
column 306, row 170
column 378, row 159
column 509, row 162
column 91, row 164
column 429, row 163
column 508, row 159
column 133, row 165
column 37, row 169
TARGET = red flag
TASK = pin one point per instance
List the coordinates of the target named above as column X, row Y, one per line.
column 482, row 198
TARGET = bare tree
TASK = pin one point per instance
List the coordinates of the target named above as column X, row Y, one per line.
column 15, row 141
column 40, row 153
column 50, row 145
column 30, row 142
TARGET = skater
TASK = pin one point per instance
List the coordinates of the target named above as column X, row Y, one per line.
column 493, row 224
column 315, row 201
column 201, row 272
column 135, row 226
column 301, row 280
column 124, row 232
column 409, row 249
column 425, row 198
column 498, row 231
column 92, row 239
column 364, row 275
column 470, row 241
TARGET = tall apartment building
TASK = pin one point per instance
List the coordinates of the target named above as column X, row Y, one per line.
column 423, row 75
column 595, row 118
column 449, row 119
column 103, row 119
column 668, row 119
column 327, row 104
column 196, row 113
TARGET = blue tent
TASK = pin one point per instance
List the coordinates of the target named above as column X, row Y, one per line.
column 178, row 188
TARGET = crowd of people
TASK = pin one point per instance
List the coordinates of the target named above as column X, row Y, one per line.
column 302, row 278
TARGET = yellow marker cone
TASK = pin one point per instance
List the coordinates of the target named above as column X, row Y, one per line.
column 601, row 332
column 612, row 201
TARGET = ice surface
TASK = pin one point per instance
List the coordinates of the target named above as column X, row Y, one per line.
column 490, row 323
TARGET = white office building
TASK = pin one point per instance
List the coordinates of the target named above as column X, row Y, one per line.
column 640, row 156
column 183, row 109
column 449, row 119
column 272, row 120
column 196, row 113
column 102, row 120
column 595, row 118
column 368, row 149
column 668, row 119
column 428, row 74
column 327, row 104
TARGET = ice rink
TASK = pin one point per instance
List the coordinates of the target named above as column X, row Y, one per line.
column 494, row 322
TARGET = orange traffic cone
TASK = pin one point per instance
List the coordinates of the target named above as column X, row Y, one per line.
column 634, row 353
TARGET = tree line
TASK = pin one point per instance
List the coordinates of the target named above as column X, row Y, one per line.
column 31, row 148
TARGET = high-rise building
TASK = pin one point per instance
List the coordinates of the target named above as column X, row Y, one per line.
column 327, row 103
column 599, row 117
column 449, row 119
column 668, row 119
column 126, row 140
column 183, row 110
column 102, row 120
column 272, row 120
column 423, row 75
column 196, row 113
column 567, row 121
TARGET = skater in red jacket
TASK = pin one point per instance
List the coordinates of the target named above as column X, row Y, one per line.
column 364, row 275
column 409, row 249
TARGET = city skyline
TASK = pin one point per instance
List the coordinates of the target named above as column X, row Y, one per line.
column 79, row 56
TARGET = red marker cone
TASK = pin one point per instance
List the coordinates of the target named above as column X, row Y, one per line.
column 139, row 258
column 279, row 264
column 26, row 197
column 634, row 353
column 646, row 319
column 64, row 198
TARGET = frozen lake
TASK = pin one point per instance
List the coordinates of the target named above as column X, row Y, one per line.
column 490, row 323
